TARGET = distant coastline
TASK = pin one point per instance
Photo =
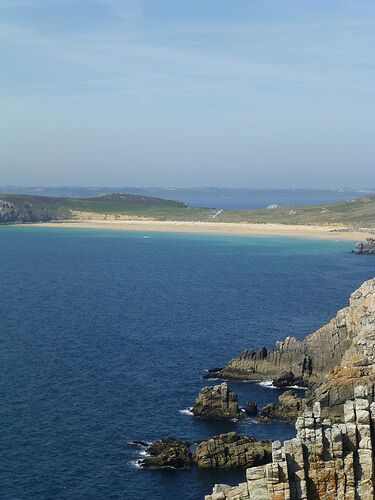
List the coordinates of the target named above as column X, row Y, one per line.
column 328, row 232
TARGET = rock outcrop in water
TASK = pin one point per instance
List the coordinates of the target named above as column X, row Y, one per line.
column 169, row 452
column 288, row 409
column 330, row 362
column 225, row 451
column 228, row 451
column 217, row 403
column 326, row 461
column 366, row 247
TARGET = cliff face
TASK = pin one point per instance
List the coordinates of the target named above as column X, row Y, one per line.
column 11, row 213
column 325, row 461
column 357, row 365
column 330, row 362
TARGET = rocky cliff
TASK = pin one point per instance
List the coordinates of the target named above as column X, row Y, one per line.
column 330, row 361
column 326, row 461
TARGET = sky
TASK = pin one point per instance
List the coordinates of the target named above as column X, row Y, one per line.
column 228, row 93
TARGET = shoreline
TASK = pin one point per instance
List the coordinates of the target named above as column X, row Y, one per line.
column 223, row 228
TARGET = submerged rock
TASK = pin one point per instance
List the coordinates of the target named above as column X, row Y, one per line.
column 231, row 450
column 217, row 402
column 169, row 452
column 290, row 406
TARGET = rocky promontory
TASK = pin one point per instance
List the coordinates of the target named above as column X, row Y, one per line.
column 216, row 403
column 330, row 361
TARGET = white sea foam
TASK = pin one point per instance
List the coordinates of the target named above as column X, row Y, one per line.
column 268, row 384
column 136, row 464
column 186, row 411
column 144, row 453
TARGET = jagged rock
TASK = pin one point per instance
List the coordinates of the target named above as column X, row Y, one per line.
column 217, row 402
column 326, row 461
column 366, row 247
column 289, row 408
column 230, row 451
column 330, row 361
column 169, row 452
column 251, row 409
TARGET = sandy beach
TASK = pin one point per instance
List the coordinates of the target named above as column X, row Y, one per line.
column 305, row 231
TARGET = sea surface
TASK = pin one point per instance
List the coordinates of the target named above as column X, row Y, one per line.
column 105, row 336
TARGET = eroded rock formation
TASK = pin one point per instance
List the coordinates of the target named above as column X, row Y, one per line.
column 231, row 450
column 326, row 461
column 217, row 402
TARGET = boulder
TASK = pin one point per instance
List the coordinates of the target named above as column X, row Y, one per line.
column 169, row 452
column 231, row 451
column 217, row 402
column 290, row 406
column 284, row 379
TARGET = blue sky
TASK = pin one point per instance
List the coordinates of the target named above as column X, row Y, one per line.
column 202, row 92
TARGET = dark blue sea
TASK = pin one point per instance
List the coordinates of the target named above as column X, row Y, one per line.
column 105, row 336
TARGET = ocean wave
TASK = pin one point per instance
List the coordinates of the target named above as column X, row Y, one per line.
column 186, row 411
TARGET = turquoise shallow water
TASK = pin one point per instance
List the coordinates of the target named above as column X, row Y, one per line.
column 105, row 335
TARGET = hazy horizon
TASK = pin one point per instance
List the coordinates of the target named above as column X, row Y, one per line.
column 163, row 93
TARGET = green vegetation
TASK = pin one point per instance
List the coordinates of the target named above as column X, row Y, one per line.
column 360, row 212
column 25, row 208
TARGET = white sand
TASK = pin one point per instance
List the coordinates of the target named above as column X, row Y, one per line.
column 320, row 232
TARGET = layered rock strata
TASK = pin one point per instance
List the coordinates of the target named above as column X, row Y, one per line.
column 216, row 403
column 326, row 461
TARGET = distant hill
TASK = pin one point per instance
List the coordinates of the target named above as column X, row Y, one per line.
column 27, row 208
